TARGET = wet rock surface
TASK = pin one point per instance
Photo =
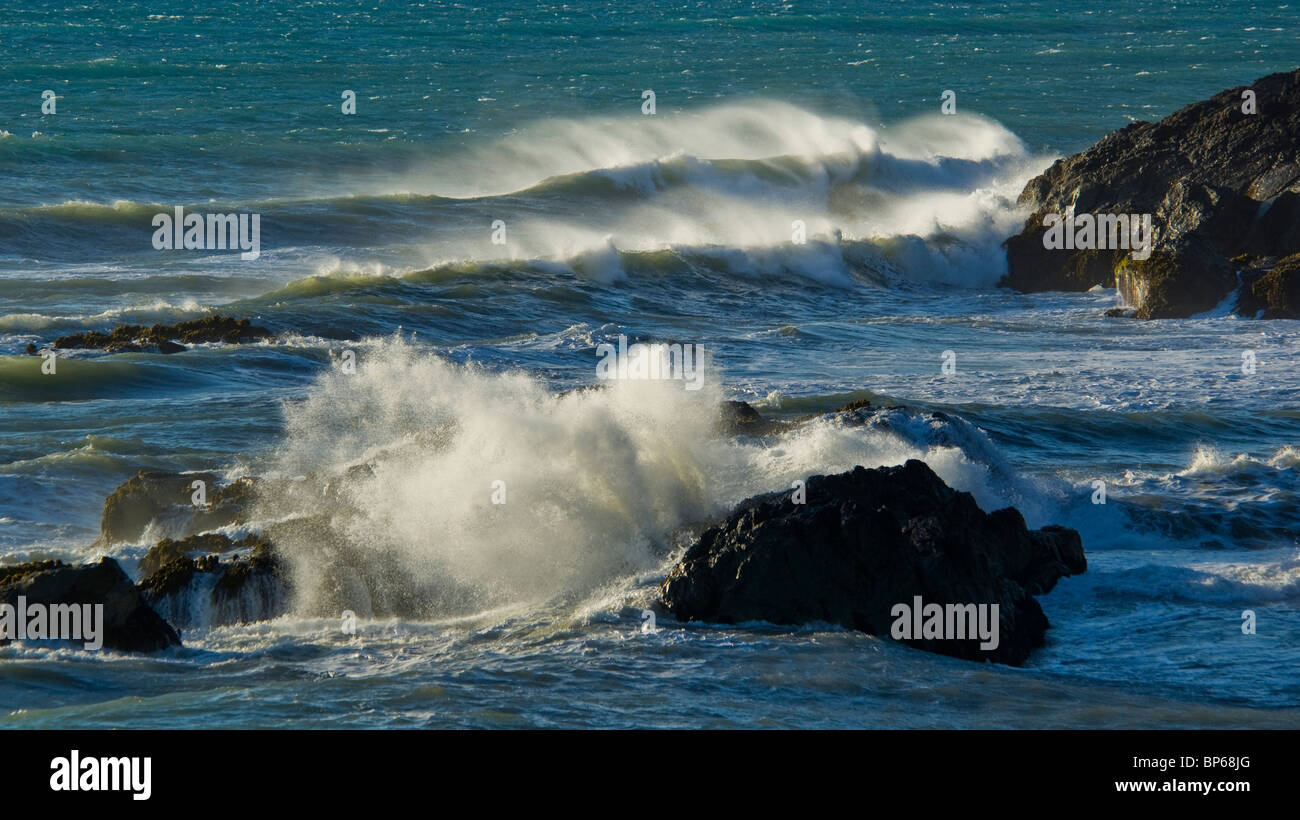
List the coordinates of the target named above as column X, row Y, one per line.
column 130, row 624
column 865, row 541
column 166, row 501
column 189, row 581
column 1271, row 292
column 166, row 338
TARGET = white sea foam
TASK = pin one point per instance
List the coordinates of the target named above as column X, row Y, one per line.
column 1212, row 461
column 932, row 198
column 596, row 481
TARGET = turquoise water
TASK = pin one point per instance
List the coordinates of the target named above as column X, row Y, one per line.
column 376, row 238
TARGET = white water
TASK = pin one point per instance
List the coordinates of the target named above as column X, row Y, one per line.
column 596, row 481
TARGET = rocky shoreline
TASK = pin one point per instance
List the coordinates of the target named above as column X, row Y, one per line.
column 1220, row 179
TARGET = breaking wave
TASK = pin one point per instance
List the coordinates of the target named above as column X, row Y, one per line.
column 393, row 471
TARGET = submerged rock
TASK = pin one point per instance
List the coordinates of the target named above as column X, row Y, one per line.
column 739, row 418
column 166, row 338
column 166, row 501
column 1218, row 183
column 130, row 624
column 858, row 404
column 865, row 541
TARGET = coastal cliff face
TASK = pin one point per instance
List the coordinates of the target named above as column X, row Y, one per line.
column 1222, row 186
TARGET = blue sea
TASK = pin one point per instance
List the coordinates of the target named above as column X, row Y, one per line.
column 410, row 340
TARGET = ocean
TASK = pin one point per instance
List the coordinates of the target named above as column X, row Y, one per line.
column 506, row 198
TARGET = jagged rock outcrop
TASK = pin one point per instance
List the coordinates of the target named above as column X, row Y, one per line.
column 866, row 541
column 206, row 591
column 1272, row 293
column 1218, row 182
column 129, row 624
column 166, row 500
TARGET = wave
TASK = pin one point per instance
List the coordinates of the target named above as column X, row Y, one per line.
column 932, row 201
column 393, row 470
column 784, row 140
column 761, row 187
column 1267, row 578
column 121, row 210
column 94, row 454
column 85, row 376
column 604, row 263
column 1213, row 462
column 1218, row 501
column 34, row 289
column 159, row 311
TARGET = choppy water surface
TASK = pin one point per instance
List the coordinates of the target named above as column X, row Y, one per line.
column 377, row 238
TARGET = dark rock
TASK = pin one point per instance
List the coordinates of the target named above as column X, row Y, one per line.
column 217, row 329
column 1179, row 281
column 1218, row 183
column 130, row 624
column 860, row 404
column 738, row 414
column 865, row 541
column 207, row 591
column 166, row 500
column 14, row 573
column 1037, row 268
column 738, row 418
column 174, row 576
column 1277, row 231
column 31, row 349
column 170, row 549
column 1119, row 313
column 1275, row 292
column 165, row 338
column 858, row 411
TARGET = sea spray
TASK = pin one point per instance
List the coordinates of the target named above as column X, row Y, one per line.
column 425, row 487
column 935, row 200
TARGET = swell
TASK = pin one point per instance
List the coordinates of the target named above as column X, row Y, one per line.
column 741, row 185
column 215, row 373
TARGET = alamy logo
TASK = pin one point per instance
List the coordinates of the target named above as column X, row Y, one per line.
column 1099, row 232
column 209, row 232
column 947, row 622
column 53, row 622
column 102, row 774
column 651, row 361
